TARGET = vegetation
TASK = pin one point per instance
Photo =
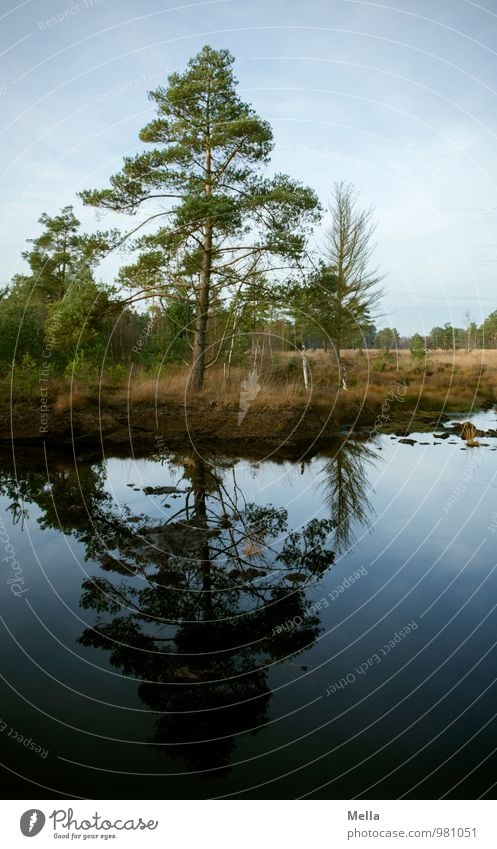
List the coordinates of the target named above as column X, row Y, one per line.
column 223, row 279
column 337, row 300
column 417, row 348
column 226, row 220
column 386, row 339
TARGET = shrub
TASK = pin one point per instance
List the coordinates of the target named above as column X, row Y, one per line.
column 417, row 349
column 116, row 374
column 25, row 377
column 81, row 370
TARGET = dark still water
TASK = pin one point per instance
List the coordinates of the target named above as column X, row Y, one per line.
column 179, row 626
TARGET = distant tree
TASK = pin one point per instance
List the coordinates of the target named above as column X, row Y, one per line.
column 370, row 332
column 460, row 338
column 443, row 337
column 472, row 338
column 489, row 330
column 203, row 179
column 387, row 338
column 434, row 338
column 417, row 348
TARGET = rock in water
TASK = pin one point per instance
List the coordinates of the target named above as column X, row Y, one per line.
column 468, row 431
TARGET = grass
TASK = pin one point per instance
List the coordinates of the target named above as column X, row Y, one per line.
column 445, row 382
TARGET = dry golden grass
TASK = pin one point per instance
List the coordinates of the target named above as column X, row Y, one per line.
column 75, row 398
column 443, row 380
column 446, row 381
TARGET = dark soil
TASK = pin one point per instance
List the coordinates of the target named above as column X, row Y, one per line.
column 116, row 428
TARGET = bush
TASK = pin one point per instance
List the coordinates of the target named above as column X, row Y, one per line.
column 417, row 349
column 26, row 377
column 116, row 374
column 382, row 361
column 81, row 370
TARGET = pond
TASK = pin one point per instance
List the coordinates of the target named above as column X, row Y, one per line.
column 194, row 625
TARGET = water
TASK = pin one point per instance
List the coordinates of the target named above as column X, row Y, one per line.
column 260, row 629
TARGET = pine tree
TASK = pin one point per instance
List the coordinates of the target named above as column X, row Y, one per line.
column 59, row 253
column 202, row 182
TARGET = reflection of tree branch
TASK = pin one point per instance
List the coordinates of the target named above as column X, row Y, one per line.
column 346, row 485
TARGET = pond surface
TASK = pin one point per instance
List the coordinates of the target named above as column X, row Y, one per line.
column 185, row 626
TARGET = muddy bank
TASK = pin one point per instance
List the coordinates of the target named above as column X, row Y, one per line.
column 174, row 424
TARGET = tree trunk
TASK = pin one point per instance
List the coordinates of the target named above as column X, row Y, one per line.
column 336, row 352
column 305, row 368
column 200, row 334
column 200, row 337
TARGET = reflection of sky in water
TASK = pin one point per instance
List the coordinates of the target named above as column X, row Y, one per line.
column 429, row 556
column 408, row 487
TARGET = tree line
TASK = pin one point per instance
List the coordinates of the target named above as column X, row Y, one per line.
column 445, row 338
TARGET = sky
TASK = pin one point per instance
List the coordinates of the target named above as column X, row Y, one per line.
column 397, row 97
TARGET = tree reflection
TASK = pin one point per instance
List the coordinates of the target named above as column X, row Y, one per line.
column 346, row 485
column 214, row 581
column 192, row 604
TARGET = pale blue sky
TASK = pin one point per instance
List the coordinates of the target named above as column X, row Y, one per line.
column 399, row 97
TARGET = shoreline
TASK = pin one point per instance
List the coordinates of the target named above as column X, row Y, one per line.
column 299, row 428
column 142, row 412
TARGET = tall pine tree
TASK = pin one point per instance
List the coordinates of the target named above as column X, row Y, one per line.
column 202, row 182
